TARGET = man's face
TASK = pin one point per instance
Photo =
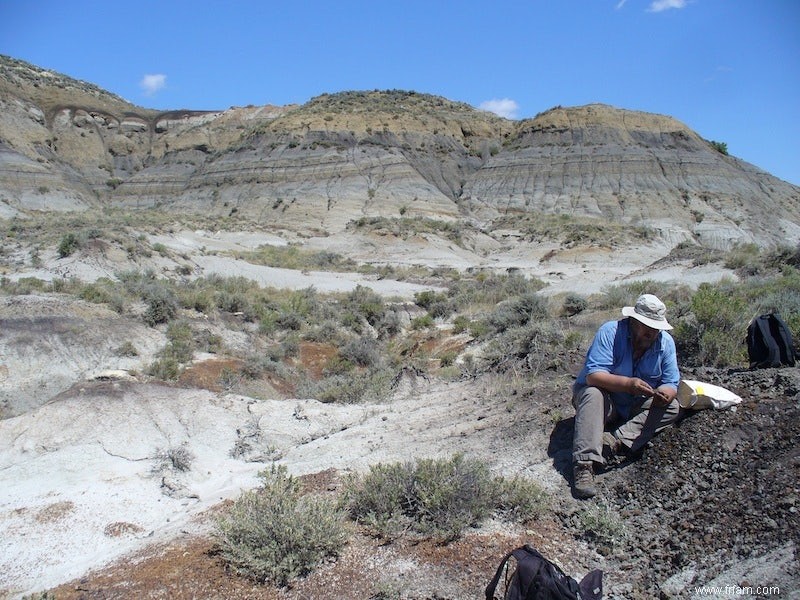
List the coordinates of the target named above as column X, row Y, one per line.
column 643, row 336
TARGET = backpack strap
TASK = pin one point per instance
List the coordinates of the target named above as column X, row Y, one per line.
column 496, row 579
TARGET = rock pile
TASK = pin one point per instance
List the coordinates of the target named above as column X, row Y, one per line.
column 717, row 494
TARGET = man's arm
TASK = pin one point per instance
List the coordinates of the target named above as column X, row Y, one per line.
column 662, row 395
column 670, row 375
column 619, row 383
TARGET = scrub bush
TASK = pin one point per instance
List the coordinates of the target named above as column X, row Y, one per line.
column 68, row 244
column 574, row 304
column 162, row 305
column 518, row 312
column 363, row 351
column 348, row 387
column 276, row 533
column 439, row 498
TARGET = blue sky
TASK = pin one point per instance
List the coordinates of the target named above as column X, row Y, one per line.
column 729, row 69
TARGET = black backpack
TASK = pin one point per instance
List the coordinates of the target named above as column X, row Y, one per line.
column 536, row 578
column 769, row 342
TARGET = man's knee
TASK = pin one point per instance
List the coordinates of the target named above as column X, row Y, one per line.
column 672, row 410
column 588, row 396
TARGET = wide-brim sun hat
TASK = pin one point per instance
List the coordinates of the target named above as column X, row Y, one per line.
column 650, row 311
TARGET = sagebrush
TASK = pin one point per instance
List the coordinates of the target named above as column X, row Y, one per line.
column 437, row 497
column 276, row 533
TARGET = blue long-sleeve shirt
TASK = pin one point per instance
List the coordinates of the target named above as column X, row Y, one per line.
column 612, row 352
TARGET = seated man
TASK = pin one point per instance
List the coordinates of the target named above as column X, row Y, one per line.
column 629, row 380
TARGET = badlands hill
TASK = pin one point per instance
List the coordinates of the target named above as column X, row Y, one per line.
column 66, row 145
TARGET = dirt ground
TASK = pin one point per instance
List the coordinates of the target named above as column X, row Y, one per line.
column 714, row 500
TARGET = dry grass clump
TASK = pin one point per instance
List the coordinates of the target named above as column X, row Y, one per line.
column 573, row 230
column 404, row 227
column 485, row 290
column 177, row 458
column 603, row 525
column 293, row 257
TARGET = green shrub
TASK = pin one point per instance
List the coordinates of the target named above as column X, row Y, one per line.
column 40, row 596
column 625, row 294
column 365, row 303
column 437, row 304
column 291, row 346
column 713, row 331
column 517, row 312
column 68, row 244
column 745, row 258
column 520, row 498
column 363, row 351
column 531, row 347
column 424, row 322
column 720, row 147
column 233, row 301
column 603, row 525
column 103, row 291
column 574, row 304
column 479, row 329
column 290, row 320
column 489, row 289
column 228, row 379
column 275, row 533
column 165, row 368
column 324, row 332
column 294, row 257
column 178, row 351
column 338, row 365
column 196, row 298
column 447, row 359
column 127, row 349
column 389, row 325
column 24, row 285
column 433, row 497
column 785, row 302
column 460, row 324
column 348, row 387
column 162, row 305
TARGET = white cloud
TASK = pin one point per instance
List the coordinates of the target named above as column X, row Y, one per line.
column 718, row 72
column 620, row 4
column 660, row 5
column 150, row 84
column 505, row 108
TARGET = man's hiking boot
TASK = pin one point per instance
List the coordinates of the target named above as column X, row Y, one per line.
column 612, row 447
column 583, row 480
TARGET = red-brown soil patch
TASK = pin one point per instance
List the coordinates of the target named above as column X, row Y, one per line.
column 208, row 374
column 315, row 356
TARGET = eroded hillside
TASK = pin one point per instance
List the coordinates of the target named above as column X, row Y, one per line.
column 67, row 145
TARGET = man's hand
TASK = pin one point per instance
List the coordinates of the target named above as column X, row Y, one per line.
column 660, row 398
column 663, row 395
column 639, row 387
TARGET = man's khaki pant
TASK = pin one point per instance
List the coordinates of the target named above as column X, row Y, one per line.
column 594, row 409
